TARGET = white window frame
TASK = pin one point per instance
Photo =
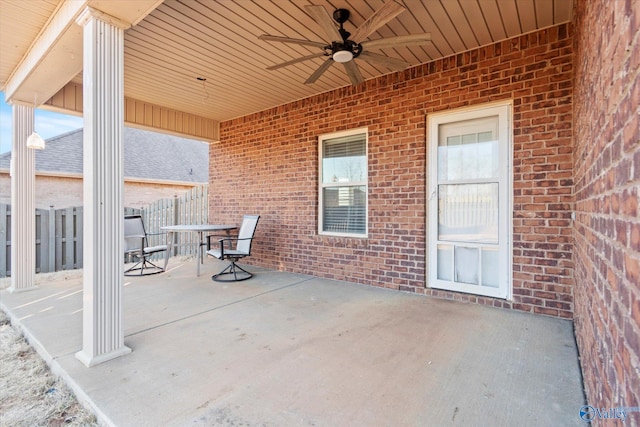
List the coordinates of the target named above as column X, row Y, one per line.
column 321, row 185
column 504, row 110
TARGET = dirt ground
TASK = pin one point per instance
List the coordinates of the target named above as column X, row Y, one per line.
column 29, row 393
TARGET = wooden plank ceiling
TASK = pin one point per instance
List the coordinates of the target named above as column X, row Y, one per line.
column 19, row 26
column 183, row 40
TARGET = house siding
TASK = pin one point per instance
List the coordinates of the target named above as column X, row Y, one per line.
column 607, row 181
column 63, row 192
column 267, row 163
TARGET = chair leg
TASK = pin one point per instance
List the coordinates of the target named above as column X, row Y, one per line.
column 134, row 268
column 234, row 269
column 156, row 267
column 142, row 265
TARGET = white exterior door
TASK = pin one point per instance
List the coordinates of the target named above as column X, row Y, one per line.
column 469, row 201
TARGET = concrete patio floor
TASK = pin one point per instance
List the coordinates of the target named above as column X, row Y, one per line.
column 286, row 349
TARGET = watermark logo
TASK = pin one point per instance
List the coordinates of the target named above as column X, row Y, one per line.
column 589, row 413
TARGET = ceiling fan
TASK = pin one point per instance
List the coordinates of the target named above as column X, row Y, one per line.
column 344, row 46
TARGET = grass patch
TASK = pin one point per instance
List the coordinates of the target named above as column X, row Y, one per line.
column 29, row 393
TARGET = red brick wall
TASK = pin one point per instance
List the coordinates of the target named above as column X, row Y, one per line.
column 267, row 163
column 607, row 182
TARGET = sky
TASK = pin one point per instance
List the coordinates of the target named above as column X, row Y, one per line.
column 48, row 124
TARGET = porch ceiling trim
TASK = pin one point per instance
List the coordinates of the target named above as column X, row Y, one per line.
column 55, row 56
column 143, row 115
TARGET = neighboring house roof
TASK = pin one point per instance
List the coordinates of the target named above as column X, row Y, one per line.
column 148, row 156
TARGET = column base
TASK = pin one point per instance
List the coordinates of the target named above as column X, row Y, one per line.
column 90, row 361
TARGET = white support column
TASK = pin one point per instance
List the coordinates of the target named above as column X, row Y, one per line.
column 103, row 99
column 23, row 213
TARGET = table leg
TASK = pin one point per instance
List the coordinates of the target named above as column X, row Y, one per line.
column 201, row 245
column 199, row 254
column 169, row 248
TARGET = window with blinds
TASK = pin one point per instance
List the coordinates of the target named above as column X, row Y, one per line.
column 343, row 184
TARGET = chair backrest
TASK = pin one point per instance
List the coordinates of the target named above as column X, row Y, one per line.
column 133, row 226
column 247, row 230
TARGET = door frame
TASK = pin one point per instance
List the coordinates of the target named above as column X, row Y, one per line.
column 503, row 109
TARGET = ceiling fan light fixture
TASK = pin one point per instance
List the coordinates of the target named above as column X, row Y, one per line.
column 342, row 56
column 341, row 48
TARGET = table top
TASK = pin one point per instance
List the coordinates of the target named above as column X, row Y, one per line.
column 198, row 227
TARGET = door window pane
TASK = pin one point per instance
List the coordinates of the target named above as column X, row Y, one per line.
column 468, row 212
column 466, row 260
column 467, row 150
column 490, row 263
column 445, row 262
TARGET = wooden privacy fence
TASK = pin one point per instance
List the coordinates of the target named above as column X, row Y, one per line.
column 59, row 232
column 58, row 239
column 190, row 208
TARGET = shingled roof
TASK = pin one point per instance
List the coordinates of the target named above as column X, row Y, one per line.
column 148, row 155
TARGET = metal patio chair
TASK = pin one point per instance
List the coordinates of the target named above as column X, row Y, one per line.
column 233, row 253
column 136, row 245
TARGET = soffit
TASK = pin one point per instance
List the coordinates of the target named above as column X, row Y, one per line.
column 182, row 40
column 20, row 24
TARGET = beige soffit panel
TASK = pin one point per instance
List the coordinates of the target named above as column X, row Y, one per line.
column 55, row 56
column 19, row 26
column 181, row 40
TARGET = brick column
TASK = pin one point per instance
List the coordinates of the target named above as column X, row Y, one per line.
column 103, row 99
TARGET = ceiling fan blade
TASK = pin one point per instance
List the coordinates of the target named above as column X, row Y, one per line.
column 390, row 63
column 295, row 61
column 290, row 40
column 353, row 71
column 325, row 65
column 410, row 40
column 386, row 13
column 321, row 16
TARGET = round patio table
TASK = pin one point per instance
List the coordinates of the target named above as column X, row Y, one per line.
column 194, row 228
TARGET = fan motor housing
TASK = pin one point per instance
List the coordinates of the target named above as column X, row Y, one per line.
column 341, row 15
